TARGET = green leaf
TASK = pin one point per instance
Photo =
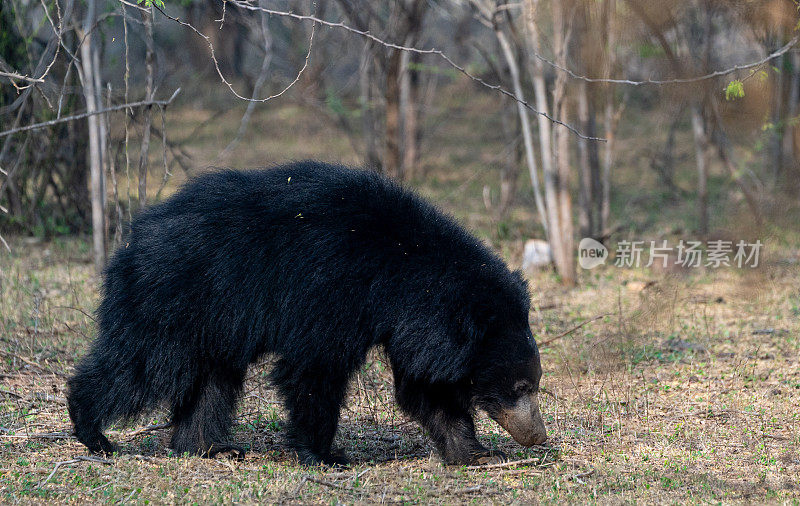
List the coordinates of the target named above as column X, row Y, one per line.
column 735, row 89
column 150, row 3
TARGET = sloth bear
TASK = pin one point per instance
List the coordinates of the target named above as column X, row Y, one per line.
column 315, row 264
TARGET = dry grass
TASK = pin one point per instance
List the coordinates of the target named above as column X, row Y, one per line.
column 691, row 395
column 688, row 390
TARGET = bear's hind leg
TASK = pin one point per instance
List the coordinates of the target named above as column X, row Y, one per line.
column 313, row 400
column 93, row 404
column 202, row 421
column 87, row 430
column 447, row 419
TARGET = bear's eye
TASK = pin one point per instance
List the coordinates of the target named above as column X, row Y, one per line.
column 523, row 387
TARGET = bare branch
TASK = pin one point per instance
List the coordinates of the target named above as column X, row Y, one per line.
column 75, row 117
column 262, row 77
column 573, row 329
column 20, row 77
column 147, row 20
column 365, row 34
column 718, row 73
column 216, row 62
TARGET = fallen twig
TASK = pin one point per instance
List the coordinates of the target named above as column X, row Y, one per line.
column 76, row 460
column 502, row 465
column 577, row 477
column 149, row 428
column 332, row 484
column 573, row 329
column 776, row 437
column 468, row 490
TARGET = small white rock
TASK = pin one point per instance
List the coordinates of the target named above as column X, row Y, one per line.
column 537, row 254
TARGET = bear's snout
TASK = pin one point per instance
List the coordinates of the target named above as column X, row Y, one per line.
column 524, row 421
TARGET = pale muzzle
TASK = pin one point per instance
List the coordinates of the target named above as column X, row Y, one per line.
column 524, row 421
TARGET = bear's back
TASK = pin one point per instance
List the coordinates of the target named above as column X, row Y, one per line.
column 250, row 253
column 311, row 205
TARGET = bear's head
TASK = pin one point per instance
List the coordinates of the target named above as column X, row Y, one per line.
column 507, row 368
column 506, row 387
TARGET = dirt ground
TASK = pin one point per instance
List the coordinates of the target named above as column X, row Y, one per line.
column 676, row 387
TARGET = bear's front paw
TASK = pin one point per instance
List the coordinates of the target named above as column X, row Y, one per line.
column 335, row 459
column 491, row 457
column 230, row 451
column 100, row 445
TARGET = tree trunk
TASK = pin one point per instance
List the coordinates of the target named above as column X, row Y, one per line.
column 372, row 158
column 392, row 159
column 586, row 196
column 95, row 153
column 527, row 135
column 545, row 127
column 777, row 115
column 791, row 152
column 509, row 173
column 102, row 125
column 147, row 20
column 609, row 123
column 409, row 94
column 557, row 192
column 701, row 153
column 724, row 150
column 567, row 248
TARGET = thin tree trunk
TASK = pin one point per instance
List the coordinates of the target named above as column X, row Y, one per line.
column 586, row 196
column 509, row 172
column 724, row 148
column 565, row 201
column 792, row 180
column 701, row 153
column 527, row 135
column 260, row 80
column 409, row 96
column 778, row 110
column 595, row 173
column 365, row 81
column 147, row 20
column 112, row 171
column 609, row 123
column 549, row 218
column 102, row 124
column 392, row 159
column 95, row 153
column 564, row 253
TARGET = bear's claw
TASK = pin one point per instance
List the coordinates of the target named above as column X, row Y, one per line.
column 336, row 459
column 231, row 451
column 492, row 457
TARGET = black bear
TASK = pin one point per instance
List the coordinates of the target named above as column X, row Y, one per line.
column 316, row 264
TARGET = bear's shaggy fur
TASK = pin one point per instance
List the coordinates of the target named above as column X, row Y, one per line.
column 316, row 264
